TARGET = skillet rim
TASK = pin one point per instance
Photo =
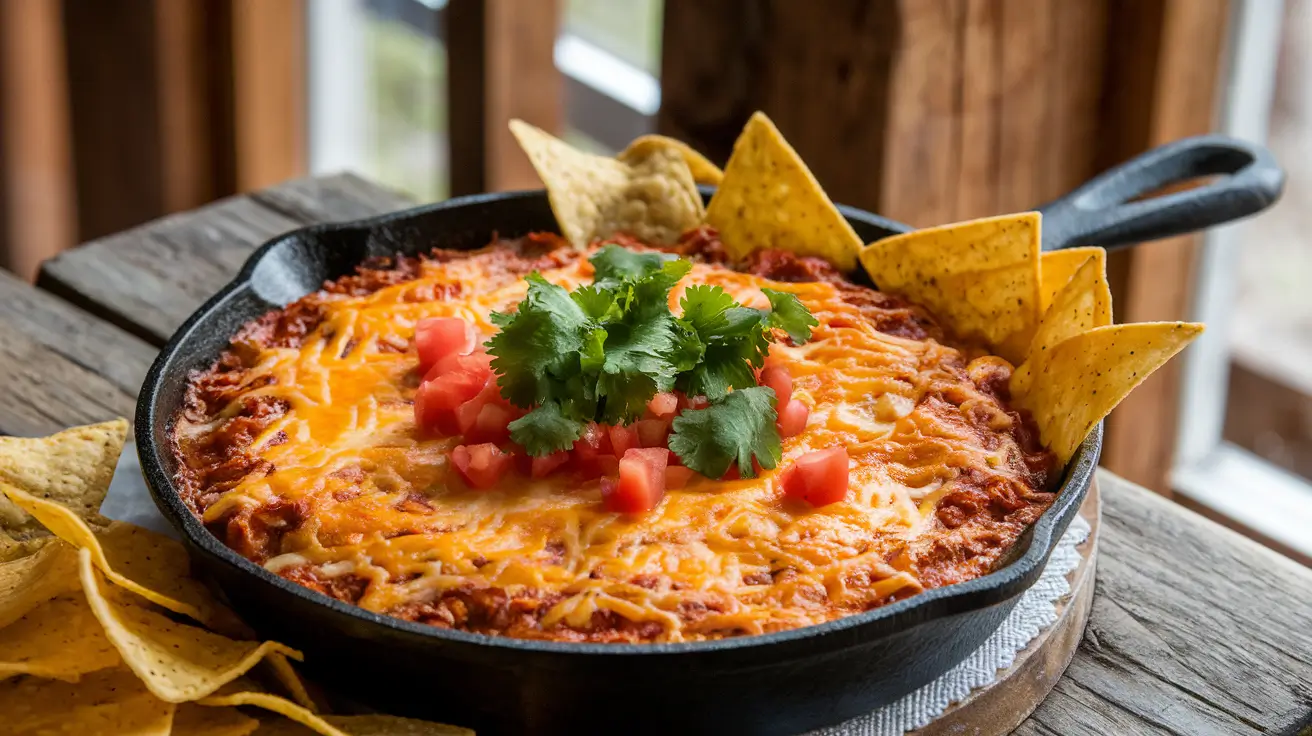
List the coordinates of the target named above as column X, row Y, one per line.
column 1003, row 584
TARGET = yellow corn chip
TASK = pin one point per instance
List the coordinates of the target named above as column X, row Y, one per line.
column 1085, row 376
column 1083, row 304
column 233, row 698
column 291, row 680
column 60, row 639
column 72, row 468
column 177, row 662
column 106, row 702
column 651, row 195
column 703, row 171
column 770, row 199
column 371, row 725
column 200, row 720
column 1056, row 267
column 981, row 277
column 148, row 564
column 29, row 581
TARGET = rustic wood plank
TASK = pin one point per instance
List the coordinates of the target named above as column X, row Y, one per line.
column 330, row 199
column 149, row 279
column 60, row 366
column 74, row 335
column 1194, row 630
column 37, row 210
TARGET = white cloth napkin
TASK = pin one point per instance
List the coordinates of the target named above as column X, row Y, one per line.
column 129, row 500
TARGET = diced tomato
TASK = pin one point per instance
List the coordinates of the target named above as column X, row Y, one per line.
column 732, row 472
column 476, row 362
column 484, row 417
column 596, row 466
column 490, row 424
column 792, row 417
column 652, row 432
column 437, row 400
column 437, row 337
column 481, row 465
column 819, row 477
column 694, row 403
column 622, row 439
column 594, row 441
column 545, row 465
column 677, row 476
column 642, row 482
column 778, row 379
column 663, row 405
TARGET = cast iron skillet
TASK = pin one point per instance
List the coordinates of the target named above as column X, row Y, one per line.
column 782, row 683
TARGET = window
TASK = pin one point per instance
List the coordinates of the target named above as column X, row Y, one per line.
column 609, row 53
column 377, row 93
column 1246, row 424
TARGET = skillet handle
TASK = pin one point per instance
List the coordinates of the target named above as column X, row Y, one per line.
column 1101, row 213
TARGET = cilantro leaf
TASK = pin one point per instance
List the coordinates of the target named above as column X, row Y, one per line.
column 545, row 430
column 538, row 342
column 595, row 302
column 721, row 369
column 626, row 396
column 736, row 429
column 601, row 352
column 789, row 314
column 704, row 307
column 614, row 264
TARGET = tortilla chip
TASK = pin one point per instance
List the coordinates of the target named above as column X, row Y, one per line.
column 106, row 702
column 374, row 725
column 60, row 639
column 770, row 199
column 370, row 725
column 177, row 662
column 291, row 681
column 72, row 468
column 1083, row 304
column 200, row 720
column 1085, row 376
column 234, row 698
column 651, row 195
column 703, row 171
column 148, row 564
column 28, row 582
column 981, row 278
column 1056, row 268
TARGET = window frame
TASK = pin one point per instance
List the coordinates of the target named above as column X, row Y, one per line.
column 1223, row 478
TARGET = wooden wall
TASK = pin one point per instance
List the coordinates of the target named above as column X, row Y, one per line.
column 930, row 111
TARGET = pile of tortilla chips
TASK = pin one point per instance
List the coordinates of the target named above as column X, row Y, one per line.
column 1049, row 314
column 103, row 631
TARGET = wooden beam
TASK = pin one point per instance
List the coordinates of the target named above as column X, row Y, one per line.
column 1172, row 94
column 37, row 206
column 268, row 73
column 927, row 111
column 499, row 66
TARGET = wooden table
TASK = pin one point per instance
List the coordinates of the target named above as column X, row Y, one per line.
column 1194, row 629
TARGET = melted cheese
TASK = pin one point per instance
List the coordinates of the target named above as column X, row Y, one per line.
column 715, row 558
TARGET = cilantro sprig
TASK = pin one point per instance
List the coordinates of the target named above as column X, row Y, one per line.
column 602, row 351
